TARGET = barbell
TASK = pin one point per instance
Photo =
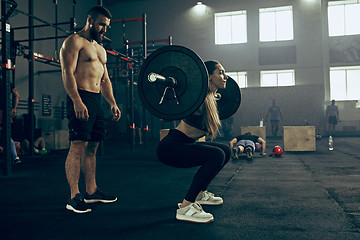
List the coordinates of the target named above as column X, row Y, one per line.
column 173, row 83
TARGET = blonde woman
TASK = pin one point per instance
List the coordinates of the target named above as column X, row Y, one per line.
column 180, row 149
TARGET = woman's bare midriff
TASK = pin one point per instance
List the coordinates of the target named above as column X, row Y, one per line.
column 190, row 131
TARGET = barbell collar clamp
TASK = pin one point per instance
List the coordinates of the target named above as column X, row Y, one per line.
column 169, row 81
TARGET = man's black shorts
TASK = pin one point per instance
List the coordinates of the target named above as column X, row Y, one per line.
column 332, row 120
column 94, row 128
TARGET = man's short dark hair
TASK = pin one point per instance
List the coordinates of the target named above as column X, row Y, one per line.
column 99, row 10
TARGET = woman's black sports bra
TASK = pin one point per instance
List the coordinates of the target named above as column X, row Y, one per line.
column 196, row 122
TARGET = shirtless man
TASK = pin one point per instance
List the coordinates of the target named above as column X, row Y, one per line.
column 85, row 78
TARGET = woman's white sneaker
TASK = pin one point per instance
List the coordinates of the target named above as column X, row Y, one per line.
column 208, row 198
column 194, row 213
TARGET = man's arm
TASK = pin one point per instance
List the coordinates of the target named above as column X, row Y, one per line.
column 15, row 103
column 327, row 112
column 107, row 92
column 263, row 144
column 69, row 54
column 232, row 142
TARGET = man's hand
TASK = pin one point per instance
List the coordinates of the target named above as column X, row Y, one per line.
column 116, row 113
column 15, row 91
column 13, row 113
column 81, row 111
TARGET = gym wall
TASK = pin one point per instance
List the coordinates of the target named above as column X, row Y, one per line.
column 308, row 54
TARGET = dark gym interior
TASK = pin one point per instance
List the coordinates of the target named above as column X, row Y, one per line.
column 309, row 192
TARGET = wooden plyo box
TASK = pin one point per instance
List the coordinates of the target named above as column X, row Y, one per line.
column 255, row 130
column 299, row 138
column 164, row 132
column 56, row 139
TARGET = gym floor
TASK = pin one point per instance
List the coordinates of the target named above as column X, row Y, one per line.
column 301, row 195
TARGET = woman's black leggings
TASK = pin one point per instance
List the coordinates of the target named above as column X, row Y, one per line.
column 178, row 150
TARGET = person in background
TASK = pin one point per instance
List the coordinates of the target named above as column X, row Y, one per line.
column 332, row 114
column 15, row 102
column 275, row 117
column 246, row 143
column 39, row 146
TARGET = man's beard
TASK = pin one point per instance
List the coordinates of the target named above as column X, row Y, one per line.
column 95, row 35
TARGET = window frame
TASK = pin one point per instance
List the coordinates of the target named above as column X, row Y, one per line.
column 346, row 70
column 277, row 72
column 232, row 14
column 276, row 27
column 346, row 18
column 237, row 75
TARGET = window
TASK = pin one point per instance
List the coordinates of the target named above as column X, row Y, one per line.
column 277, row 78
column 345, row 83
column 276, row 24
column 230, row 27
column 344, row 18
column 239, row 77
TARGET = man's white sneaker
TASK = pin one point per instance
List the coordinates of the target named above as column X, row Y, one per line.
column 193, row 213
column 208, row 198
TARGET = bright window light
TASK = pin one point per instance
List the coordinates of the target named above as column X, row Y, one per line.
column 239, row 77
column 230, row 27
column 277, row 78
column 276, row 24
column 343, row 18
column 345, row 83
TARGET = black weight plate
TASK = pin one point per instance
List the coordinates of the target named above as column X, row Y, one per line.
column 192, row 82
column 230, row 99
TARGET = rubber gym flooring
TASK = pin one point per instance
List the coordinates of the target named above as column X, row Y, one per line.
column 302, row 195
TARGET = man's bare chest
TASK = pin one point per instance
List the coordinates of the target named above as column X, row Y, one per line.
column 92, row 53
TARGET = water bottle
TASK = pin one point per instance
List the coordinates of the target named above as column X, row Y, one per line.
column 331, row 143
column 261, row 122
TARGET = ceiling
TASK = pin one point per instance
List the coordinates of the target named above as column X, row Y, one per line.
column 113, row 2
